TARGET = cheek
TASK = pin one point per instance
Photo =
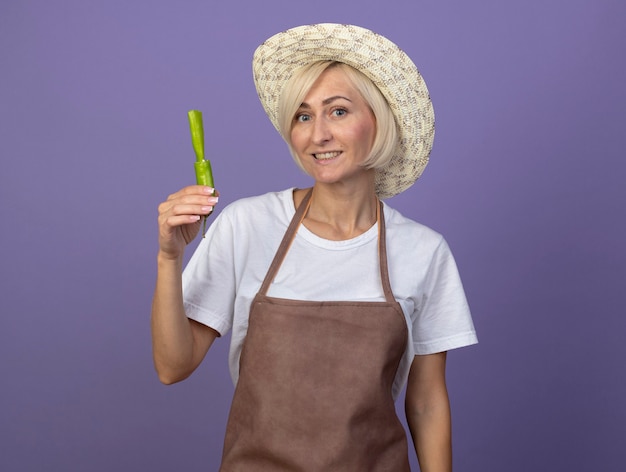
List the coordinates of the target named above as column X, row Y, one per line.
column 365, row 134
column 296, row 139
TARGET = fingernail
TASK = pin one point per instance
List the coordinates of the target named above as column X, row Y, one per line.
column 209, row 190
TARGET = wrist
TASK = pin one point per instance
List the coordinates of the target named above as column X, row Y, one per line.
column 168, row 260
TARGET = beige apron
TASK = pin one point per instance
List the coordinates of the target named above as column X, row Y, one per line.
column 315, row 379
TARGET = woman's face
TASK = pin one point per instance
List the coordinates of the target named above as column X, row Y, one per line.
column 333, row 130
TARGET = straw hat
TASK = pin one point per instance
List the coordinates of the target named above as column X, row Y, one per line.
column 389, row 68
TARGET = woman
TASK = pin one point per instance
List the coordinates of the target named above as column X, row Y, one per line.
column 336, row 302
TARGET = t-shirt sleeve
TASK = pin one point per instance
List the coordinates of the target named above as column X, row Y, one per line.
column 208, row 278
column 442, row 320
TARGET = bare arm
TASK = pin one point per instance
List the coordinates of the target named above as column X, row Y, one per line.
column 428, row 412
column 178, row 343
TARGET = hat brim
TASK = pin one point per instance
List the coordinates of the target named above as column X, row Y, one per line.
column 386, row 65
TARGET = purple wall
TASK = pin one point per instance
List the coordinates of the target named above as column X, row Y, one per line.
column 526, row 181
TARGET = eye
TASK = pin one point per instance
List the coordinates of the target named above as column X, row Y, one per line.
column 302, row 117
column 339, row 112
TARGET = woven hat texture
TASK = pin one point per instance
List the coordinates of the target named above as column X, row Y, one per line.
column 389, row 68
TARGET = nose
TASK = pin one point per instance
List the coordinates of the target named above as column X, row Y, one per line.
column 321, row 131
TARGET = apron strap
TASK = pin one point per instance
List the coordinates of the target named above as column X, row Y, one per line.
column 292, row 229
column 382, row 253
column 286, row 242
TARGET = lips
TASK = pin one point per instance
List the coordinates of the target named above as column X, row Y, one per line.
column 326, row 155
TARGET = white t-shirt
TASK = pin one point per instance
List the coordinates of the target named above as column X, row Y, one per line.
column 229, row 265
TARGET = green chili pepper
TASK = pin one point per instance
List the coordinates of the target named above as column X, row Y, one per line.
column 204, row 175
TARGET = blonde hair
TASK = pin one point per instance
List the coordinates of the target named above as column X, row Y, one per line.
column 298, row 86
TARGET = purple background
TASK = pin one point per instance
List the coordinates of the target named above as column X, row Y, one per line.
column 525, row 181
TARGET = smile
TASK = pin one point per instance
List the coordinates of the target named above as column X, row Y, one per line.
column 326, row 155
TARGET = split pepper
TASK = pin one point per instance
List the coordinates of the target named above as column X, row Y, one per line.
column 204, row 175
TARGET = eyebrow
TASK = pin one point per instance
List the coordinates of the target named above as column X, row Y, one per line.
column 327, row 101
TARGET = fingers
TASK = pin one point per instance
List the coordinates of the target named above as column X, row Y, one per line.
column 195, row 200
column 188, row 207
column 194, row 190
column 169, row 222
column 194, row 194
column 180, row 215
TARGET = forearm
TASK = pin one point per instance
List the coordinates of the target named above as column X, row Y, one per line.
column 428, row 412
column 172, row 337
column 431, row 431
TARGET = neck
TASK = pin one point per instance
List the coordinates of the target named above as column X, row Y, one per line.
column 338, row 213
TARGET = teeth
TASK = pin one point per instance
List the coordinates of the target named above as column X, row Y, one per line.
column 326, row 155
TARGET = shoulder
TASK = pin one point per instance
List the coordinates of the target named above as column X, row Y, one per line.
column 237, row 228
column 249, row 209
column 406, row 233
